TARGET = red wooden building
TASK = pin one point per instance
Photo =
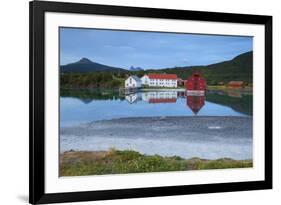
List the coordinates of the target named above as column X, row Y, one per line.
column 235, row 84
column 196, row 82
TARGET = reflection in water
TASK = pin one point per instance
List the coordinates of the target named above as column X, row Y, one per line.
column 81, row 106
column 153, row 97
column 240, row 101
column 195, row 101
column 160, row 97
column 158, row 122
column 133, row 98
column 234, row 94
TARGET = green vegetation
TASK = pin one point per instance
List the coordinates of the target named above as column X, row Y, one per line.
column 85, row 74
column 119, row 162
column 239, row 68
column 92, row 80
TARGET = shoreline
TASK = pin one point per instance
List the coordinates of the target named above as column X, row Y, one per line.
column 168, row 118
column 186, row 137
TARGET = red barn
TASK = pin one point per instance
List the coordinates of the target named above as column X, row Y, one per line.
column 195, row 103
column 196, row 82
column 235, row 84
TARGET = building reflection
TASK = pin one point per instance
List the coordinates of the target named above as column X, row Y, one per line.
column 133, row 98
column 160, row 96
column 234, row 94
column 153, row 97
column 195, row 102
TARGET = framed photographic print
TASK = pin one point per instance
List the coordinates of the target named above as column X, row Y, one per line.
column 140, row 102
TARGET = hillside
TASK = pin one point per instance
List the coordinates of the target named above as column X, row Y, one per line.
column 87, row 74
column 239, row 68
column 85, row 65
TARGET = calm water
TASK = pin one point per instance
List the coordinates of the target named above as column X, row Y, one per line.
column 79, row 107
column 90, row 120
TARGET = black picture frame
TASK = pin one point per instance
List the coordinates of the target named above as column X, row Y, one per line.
column 37, row 193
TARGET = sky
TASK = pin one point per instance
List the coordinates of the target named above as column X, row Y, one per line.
column 148, row 50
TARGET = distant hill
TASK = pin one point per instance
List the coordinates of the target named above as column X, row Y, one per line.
column 239, row 68
column 85, row 65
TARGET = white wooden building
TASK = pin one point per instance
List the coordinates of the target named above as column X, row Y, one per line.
column 160, row 80
column 145, row 80
column 133, row 82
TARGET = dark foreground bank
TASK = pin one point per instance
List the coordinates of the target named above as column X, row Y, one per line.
column 78, row 163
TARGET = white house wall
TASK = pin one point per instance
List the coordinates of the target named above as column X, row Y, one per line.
column 132, row 83
column 162, row 83
column 145, row 80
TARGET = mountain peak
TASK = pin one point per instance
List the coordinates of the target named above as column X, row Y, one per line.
column 84, row 60
column 132, row 68
column 85, row 65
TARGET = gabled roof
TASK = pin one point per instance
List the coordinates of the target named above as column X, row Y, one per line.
column 196, row 74
column 162, row 76
column 136, row 78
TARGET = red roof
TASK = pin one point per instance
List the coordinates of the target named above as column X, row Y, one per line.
column 163, row 76
column 235, row 83
column 162, row 100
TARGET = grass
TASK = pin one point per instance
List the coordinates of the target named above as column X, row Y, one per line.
column 225, row 87
column 78, row 163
